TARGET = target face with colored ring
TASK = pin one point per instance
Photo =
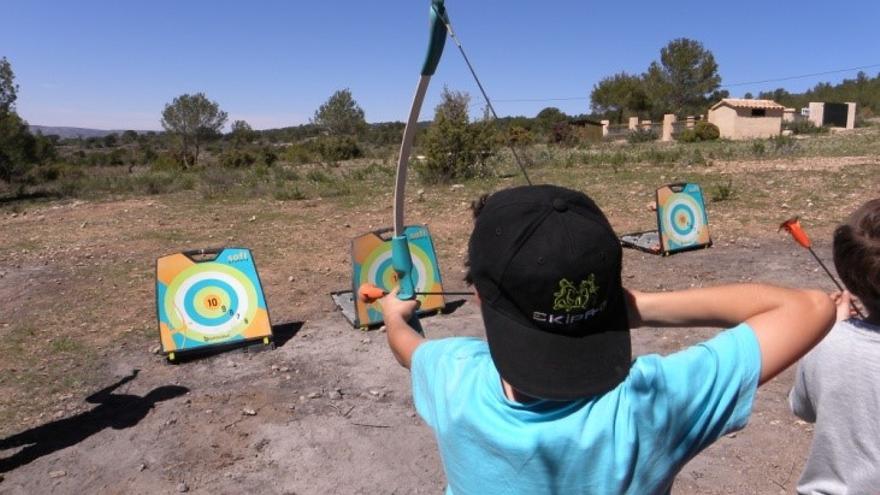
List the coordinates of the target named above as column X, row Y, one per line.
column 205, row 303
column 371, row 263
column 682, row 217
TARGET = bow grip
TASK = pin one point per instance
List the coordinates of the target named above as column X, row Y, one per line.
column 401, row 260
column 437, row 39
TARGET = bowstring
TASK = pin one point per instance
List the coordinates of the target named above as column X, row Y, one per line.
column 467, row 61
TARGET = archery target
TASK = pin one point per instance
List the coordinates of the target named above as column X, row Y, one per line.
column 683, row 219
column 209, row 303
column 371, row 263
column 681, row 214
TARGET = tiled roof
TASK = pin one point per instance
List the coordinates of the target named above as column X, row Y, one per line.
column 743, row 103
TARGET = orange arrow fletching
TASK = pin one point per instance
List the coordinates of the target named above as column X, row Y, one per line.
column 793, row 226
column 369, row 293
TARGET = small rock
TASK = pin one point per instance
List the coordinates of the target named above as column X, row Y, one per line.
column 731, row 435
column 57, row 474
column 252, row 219
column 290, row 278
column 335, row 394
column 374, row 392
column 314, row 395
column 366, row 341
column 411, row 414
column 182, row 488
column 457, row 186
column 247, row 411
column 284, row 369
column 142, row 467
column 209, row 411
column 784, row 206
column 156, row 349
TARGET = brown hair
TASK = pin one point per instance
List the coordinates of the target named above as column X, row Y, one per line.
column 857, row 254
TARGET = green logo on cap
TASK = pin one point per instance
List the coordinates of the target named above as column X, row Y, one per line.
column 571, row 297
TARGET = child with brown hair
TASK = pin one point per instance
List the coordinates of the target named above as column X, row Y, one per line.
column 837, row 385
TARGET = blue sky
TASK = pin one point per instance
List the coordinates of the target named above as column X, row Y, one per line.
column 115, row 64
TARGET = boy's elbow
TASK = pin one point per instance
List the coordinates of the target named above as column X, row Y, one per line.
column 822, row 308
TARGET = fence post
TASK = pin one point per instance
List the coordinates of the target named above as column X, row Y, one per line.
column 633, row 123
column 817, row 113
column 668, row 122
column 605, row 124
column 850, row 115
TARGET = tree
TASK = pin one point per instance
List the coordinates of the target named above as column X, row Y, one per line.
column 242, row 133
column 19, row 149
column 619, row 94
column 454, row 147
column 340, row 115
column 683, row 79
column 194, row 119
column 8, row 88
column 549, row 117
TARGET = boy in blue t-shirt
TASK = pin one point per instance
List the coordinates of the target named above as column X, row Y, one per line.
column 553, row 402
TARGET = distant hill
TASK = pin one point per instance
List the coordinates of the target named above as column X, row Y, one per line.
column 74, row 132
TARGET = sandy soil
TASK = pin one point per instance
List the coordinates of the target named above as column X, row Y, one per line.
column 326, row 411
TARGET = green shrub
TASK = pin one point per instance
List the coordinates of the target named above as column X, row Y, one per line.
column 758, row 148
column 804, row 127
column 300, row 153
column 687, row 136
column 235, row 158
column 723, row 192
column 454, row 147
column 337, row 148
column 702, row 131
column 706, row 131
column 784, row 144
column 642, row 136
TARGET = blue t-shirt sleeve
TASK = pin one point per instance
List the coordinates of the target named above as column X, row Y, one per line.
column 436, row 365
column 705, row 391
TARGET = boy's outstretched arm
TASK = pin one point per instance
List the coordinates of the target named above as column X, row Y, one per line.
column 786, row 322
column 402, row 339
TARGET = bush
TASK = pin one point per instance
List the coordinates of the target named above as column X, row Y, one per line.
column 723, row 192
column 804, row 127
column 687, row 136
column 454, row 147
column 642, row 136
column 706, row 131
column 337, row 148
column 702, row 131
column 300, row 153
column 236, row 158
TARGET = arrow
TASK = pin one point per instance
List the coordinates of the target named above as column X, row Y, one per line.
column 369, row 293
column 793, row 227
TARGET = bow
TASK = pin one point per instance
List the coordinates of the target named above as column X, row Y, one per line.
column 401, row 259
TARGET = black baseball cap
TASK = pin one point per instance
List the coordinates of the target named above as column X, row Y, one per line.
column 546, row 264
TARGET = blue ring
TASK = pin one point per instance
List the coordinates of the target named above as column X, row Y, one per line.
column 690, row 215
column 189, row 302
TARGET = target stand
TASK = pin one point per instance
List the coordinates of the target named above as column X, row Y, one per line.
column 209, row 300
column 682, row 222
column 371, row 263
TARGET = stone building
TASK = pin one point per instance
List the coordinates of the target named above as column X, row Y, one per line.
column 747, row 119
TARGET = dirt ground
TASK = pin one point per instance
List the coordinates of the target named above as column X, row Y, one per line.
column 328, row 410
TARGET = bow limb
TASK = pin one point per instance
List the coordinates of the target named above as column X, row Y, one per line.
column 401, row 258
